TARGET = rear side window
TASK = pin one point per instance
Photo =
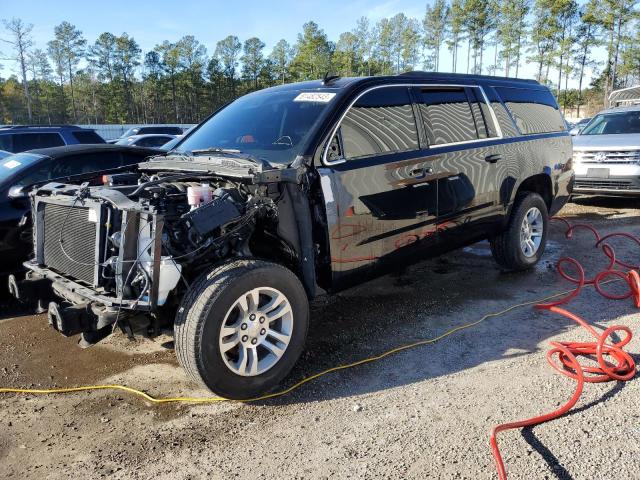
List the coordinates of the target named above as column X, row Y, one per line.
column 380, row 122
column 534, row 111
column 152, row 141
column 20, row 142
column 87, row 136
column 454, row 115
column 167, row 130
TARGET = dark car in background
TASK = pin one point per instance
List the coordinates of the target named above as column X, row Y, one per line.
column 310, row 185
column 19, row 171
column 20, row 138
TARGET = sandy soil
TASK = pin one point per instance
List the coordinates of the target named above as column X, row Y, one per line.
column 424, row 413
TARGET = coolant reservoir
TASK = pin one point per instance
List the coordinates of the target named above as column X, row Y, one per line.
column 199, row 195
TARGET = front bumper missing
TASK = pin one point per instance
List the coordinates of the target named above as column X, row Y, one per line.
column 77, row 293
column 72, row 308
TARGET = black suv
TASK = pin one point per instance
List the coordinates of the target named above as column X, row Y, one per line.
column 20, row 138
column 312, row 185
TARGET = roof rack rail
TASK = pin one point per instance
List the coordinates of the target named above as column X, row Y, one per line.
column 420, row 73
column 55, row 125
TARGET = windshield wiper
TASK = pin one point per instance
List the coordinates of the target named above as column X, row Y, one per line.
column 231, row 152
column 228, row 151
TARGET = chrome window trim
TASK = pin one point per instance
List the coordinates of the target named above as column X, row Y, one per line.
column 494, row 118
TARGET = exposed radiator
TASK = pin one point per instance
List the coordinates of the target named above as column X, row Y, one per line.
column 78, row 237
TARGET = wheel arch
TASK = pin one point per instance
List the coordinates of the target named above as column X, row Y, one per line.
column 540, row 184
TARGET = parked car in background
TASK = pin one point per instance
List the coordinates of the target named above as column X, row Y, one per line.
column 19, row 171
column 606, row 153
column 20, row 138
column 150, row 140
column 148, row 130
column 579, row 125
column 319, row 184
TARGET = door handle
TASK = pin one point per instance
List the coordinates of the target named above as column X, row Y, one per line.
column 493, row 158
column 420, row 172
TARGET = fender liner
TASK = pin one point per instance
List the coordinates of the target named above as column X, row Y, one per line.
column 302, row 212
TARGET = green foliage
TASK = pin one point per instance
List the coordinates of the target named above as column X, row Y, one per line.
column 112, row 80
column 434, row 24
column 313, row 51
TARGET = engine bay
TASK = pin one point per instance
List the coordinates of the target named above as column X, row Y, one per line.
column 152, row 230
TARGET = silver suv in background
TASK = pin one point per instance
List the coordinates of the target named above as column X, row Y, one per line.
column 606, row 153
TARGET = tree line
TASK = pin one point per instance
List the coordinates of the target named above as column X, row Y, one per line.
column 111, row 80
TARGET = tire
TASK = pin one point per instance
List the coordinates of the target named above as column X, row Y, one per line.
column 507, row 248
column 215, row 301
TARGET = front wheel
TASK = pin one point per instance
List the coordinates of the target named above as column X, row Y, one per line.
column 241, row 328
column 522, row 244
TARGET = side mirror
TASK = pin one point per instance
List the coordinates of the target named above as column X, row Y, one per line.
column 17, row 191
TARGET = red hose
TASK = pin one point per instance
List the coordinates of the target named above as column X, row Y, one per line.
column 613, row 362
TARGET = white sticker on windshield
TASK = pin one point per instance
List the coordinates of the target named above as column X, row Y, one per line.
column 11, row 164
column 322, row 97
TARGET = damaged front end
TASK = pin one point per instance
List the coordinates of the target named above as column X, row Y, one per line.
column 102, row 255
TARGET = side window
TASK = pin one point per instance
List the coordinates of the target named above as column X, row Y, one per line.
column 380, row 122
column 447, row 115
column 6, row 143
column 152, row 141
column 41, row 173
column 80, row 164
column 482, row 114
column 31, row 141
column 534, row 111
column 87, row 136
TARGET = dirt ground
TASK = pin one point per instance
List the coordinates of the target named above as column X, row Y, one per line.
column 423, row 413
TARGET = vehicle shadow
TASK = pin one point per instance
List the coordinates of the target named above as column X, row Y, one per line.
column 559, row 471
column 614, row 207
column 429, row 299
column 11, row 308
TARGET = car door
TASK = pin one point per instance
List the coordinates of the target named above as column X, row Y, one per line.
column 465, row 158
column 380, row 204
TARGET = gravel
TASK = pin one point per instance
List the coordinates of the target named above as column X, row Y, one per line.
column 422, row 413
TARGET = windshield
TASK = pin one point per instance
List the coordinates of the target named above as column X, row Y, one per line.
column 130, row 132
column 271, row 126
column 170, row 144
column 13, row 165
column 614, row 123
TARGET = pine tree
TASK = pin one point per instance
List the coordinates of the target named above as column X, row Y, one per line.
column 434, row 24
column 70, row 47
column 21, row 42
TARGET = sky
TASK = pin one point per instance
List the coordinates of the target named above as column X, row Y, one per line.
column 151, row 22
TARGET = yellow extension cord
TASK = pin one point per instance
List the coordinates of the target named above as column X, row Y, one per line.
column 286, row 391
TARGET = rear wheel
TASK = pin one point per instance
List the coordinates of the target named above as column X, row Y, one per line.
column 242, row 327
column 522, row 244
